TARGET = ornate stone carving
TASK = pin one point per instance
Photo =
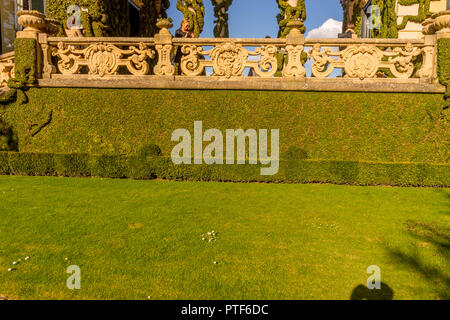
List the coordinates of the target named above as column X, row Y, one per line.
column 6, row 70
column 103, row 58
column 229, row 60
column 323, row 64
column 363, row 61
column 401, row 60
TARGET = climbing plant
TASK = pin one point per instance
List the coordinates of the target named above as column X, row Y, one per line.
column 220, row 12
column 388, row 27
column 424, row 12
column 289, row 13
column 194, row 11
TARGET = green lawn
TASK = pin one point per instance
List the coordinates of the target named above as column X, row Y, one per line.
column 134, row 239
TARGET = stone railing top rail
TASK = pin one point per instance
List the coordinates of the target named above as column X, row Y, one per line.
column 6, row 56
column 113, row 40
column 241, row 41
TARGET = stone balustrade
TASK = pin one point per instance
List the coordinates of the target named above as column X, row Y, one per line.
column 229, row 58
column 6, row 68
column 223, row 63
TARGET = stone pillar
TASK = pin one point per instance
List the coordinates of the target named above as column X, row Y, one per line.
column 294, row 46
column 164, row 47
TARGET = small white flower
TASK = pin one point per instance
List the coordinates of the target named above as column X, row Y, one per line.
column 149, row 297
column 27, row 258
column 9, row 269
column 15, row 262
column 215, row 262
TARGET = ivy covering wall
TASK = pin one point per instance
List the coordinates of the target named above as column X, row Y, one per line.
column 424, row 12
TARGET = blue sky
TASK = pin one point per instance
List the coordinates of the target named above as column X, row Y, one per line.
column 257, row 18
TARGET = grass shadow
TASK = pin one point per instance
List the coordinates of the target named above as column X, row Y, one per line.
column 429, row 236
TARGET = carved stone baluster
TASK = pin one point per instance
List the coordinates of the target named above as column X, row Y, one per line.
column 48, row 68
column 428, row 69
column 294, row 47
column 164, row 47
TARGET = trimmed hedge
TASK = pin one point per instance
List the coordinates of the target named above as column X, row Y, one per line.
column 291, row 171
column 380, row 127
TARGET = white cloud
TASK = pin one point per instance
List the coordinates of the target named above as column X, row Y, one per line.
column 330, row 29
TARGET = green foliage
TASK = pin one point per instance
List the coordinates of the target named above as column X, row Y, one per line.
column 196, row 17
column 291, row 171
column 31, row 164
column 388, row 127
column 443, row 65
column 104, row 17
column 288, row 14
column 388, row 19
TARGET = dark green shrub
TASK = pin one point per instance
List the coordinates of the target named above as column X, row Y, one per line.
column 31, row 164
column 4, row 164
column 8, row 138
column 295, row 153
column 108, row 166
column 72, row 165
column 292, row 171
column 140, row 168
column 150, row 150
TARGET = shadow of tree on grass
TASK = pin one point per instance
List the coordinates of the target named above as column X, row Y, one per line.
column 429, row 236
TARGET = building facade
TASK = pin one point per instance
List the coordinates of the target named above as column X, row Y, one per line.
column 8, row 19
column 391, row 18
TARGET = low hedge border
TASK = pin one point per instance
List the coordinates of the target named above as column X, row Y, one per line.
column 291, row 171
